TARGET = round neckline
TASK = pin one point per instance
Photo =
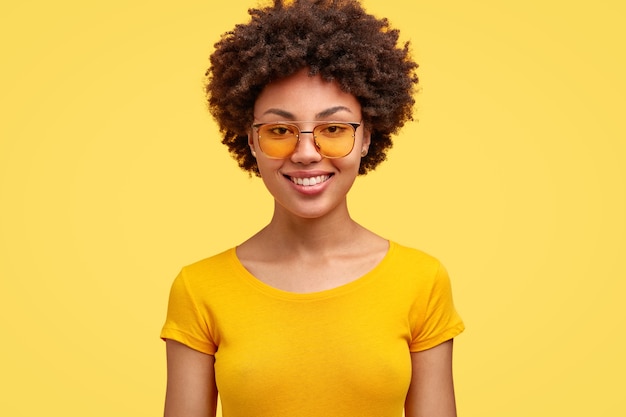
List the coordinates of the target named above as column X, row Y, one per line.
column 263, row 287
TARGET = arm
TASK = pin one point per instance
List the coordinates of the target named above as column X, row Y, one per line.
column 431, row 393
column 191, row 389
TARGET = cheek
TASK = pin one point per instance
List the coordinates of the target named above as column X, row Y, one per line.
column 350, row 163
column 268, row 167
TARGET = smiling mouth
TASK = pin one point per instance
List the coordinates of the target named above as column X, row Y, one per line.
column 310, row 181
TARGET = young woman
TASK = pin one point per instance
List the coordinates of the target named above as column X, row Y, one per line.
column 314, row 315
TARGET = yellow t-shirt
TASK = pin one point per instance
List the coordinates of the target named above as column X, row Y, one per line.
column 338, row 352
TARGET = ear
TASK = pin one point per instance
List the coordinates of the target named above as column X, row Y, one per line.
column 365, row 143
column 251, row 143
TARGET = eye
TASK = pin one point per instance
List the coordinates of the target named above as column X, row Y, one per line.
column 335, row 130
column 281, row 130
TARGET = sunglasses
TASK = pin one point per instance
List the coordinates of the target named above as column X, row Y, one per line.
column 331, row 139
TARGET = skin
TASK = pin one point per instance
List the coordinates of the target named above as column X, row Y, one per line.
column 317, row 243
column 431, row 393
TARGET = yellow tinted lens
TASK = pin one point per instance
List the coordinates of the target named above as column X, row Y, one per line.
column 335, row 140
column 278, row 140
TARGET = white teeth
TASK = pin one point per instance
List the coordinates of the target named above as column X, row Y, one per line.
column 310, row 181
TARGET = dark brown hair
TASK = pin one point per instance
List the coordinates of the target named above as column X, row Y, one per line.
column 336, row 39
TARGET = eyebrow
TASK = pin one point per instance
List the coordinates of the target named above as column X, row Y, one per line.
column 325, row 113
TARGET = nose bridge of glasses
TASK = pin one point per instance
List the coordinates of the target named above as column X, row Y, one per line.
column 299, row 144
column 300, row 132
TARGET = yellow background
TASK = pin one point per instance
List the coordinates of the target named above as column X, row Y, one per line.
column 112, row 177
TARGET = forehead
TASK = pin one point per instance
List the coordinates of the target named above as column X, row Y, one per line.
column 304, row 97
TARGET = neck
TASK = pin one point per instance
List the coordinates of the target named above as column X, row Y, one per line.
column 312, row 235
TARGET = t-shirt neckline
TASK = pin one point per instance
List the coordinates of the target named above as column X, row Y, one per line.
column 263, row 287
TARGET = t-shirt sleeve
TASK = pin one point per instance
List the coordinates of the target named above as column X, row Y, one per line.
column 186, row 322
column 436, row 317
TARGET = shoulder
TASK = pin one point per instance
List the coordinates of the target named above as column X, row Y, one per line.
column 420, row 273
column 209, row 271
column 219, row 260
column 413, row 260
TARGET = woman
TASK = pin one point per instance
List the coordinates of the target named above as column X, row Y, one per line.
column 314, row 315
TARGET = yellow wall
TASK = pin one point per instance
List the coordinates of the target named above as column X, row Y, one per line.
column 112, row 177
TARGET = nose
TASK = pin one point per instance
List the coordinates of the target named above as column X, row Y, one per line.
column 306, row 150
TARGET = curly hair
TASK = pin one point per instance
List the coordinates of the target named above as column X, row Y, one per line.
column 336, row 39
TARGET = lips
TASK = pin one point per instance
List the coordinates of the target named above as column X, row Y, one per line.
column 309, row 181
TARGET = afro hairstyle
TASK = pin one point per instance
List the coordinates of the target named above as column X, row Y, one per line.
column 335, row 39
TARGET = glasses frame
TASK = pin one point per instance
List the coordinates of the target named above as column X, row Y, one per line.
column 299, row 132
